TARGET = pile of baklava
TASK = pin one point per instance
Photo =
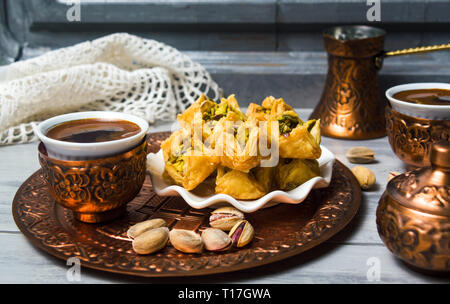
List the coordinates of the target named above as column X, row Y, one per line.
column 248, row 155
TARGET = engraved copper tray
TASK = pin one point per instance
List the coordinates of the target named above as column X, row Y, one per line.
column 281, row 231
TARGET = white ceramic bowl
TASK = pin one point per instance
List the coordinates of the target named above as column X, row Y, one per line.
column 435, row 112
column 81, row 151
column 155, row 164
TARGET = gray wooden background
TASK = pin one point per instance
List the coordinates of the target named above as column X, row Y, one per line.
column 251, row 48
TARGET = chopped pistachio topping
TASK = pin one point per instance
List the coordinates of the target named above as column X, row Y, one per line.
column 215, row 111
column 177, row 162
column 177, row 157
column 263, row 110
column 242, row 140
column 287, row 123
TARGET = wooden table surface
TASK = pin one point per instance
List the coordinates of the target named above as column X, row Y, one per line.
column 345, row 258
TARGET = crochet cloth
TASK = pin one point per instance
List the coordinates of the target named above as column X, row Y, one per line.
column 118, row 72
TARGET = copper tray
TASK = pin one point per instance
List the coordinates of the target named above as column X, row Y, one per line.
column 281, row 231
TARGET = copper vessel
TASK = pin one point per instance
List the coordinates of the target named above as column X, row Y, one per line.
column 413, row 214
column 96, row 190
column 351, row 106
column 280, row 231
column 411, row 138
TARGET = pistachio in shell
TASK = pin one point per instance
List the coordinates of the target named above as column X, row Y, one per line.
column 360, row 155
column 141, row 227
column 242, row 233
column 216, row 240
column 225, row 218
column 186, row 241
column 151, row 240
column 393, row 174
column 366, row 178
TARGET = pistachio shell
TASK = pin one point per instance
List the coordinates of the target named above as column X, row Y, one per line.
column 365, row 177
column 225, row 218
column 360, row 155
column 216, row 240
column 393, row 174
column 230, row 210
column 151, row 240
column 242, row 233
column 186, row 241
column 141, row 227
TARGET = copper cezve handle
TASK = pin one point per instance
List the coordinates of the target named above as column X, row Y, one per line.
column 416, row 50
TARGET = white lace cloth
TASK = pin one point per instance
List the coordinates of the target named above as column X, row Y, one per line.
column 119, row 72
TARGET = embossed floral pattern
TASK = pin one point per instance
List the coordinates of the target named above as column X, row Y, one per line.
column 439, row 196
column 96, row 186
column 106, row 246
column 350, row 105
column 419, row 239
column 411, row 139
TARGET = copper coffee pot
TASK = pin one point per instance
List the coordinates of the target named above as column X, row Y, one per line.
column 351, row 106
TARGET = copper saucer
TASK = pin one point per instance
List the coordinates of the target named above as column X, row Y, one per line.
column 281, row 231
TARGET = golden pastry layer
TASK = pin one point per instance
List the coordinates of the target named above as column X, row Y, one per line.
column 218, row 140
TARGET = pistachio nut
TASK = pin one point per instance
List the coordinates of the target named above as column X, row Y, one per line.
column 141, row 227
column 225, row 218
column 360, row 155
column 365, row 177
column 151, row 240
column 216, row 240
column 393, row 174
column 186, row 241
column 242, row 233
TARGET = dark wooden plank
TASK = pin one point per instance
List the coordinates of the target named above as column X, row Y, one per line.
column 187, row 25
column 157, row 12
column 230, row 25
column 9, row 47
column 350, row 11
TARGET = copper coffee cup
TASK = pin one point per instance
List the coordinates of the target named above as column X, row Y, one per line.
column 413, row 128
column 96, row 190
column 411, row 137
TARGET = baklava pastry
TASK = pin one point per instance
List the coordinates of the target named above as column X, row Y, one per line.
column 291, row 173
column 257, row 112
column 188, row 161
column 218, row 140
column 313, row 126
column 277, row 106
column 236, row 142
column 291, row 128
column 241, row 185
column 206, row 113
column 296, row 140
column 270, row 109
